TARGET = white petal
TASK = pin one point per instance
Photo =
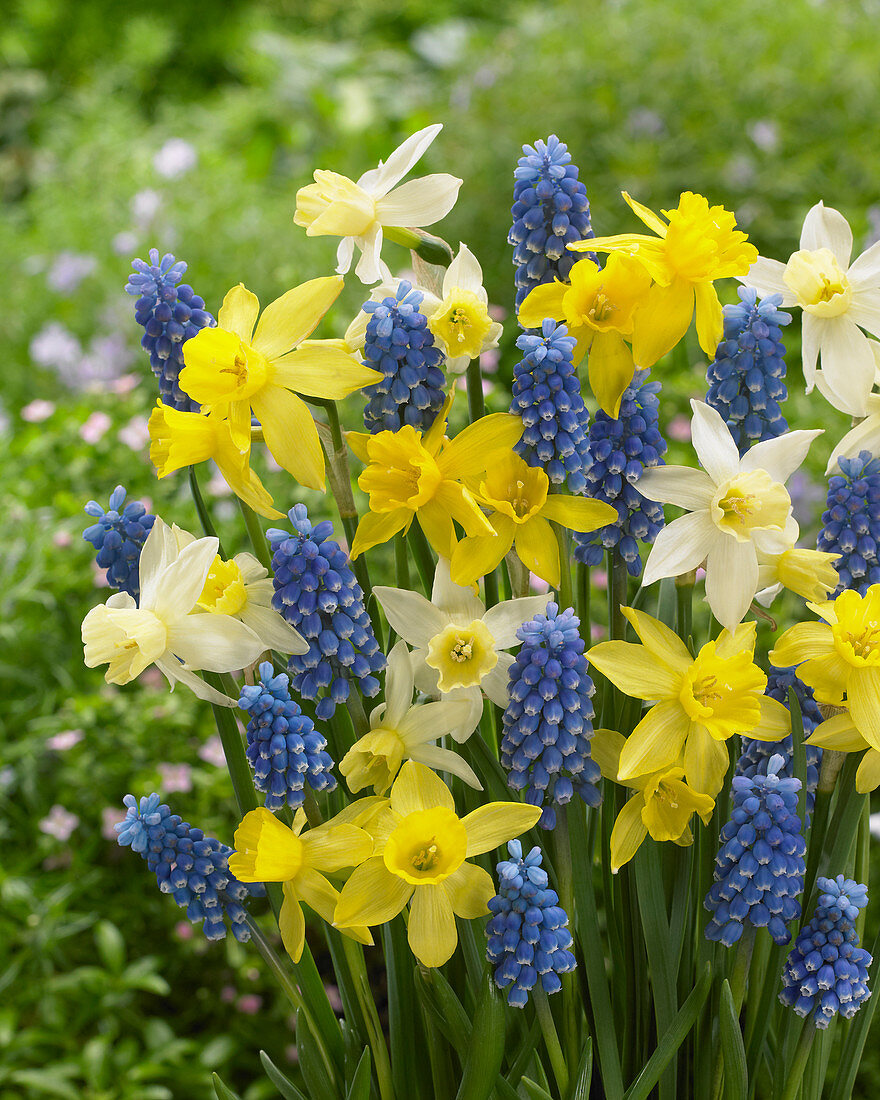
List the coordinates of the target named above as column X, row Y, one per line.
column 272, row 630
column 158, row 552
column 713, row 443
column 865, row 271
column 458, row 364
column 121, row 600
column 731, row 580
column 180, row 584
column 426, row 678
column 428, row 721
column 865, row 310
column 495, row 683
column 398, row 686
column 812, row 332
column 251, row 570
column 863, row 437
column 679, row 485
column 766, row 277
column 781, row 456
column 504, row 619
column 367, row 269
column 848, row 365
column 410, row 615
column 447, row 761
column 766, row 596
column 378, row 181
column 825, row 227
column 458, row 603
column 175, row 673
column 184, row 538
column 419, row 202
column 344, row 255
column 471, row 696
column 681, row 546
column 260, row 593
column 214, row 643
column 465, row 272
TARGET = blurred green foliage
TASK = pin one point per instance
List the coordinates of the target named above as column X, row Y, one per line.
column 764, row 109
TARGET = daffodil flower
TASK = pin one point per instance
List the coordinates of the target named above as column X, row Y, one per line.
column 600, row 308
column 336, row 206
column 461, row 321
column 840, row 657
column 699, row 244
column 838, row 298
column 865, row 436
column 161, row 630
column 701, row 701
column 661, row 807
column 807, row 573
column 242, row 588
column 179, row 439
column 235, row 368
column 737, row 508
column 400, row 731
column 460, row 647
column 523, row 511
column 421, row 855
column 267, row 850
column 412, row 474
column 840, row 734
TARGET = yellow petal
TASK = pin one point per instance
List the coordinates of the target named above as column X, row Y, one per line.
column 294, row 316
column 476, row 447
column 418, row 788
column 868, row 773
column 292, row 924
column 538, row 550
column 239, row 312
column 376, row 528
column 578, row 513
column 245, row 484
column 436, row 522
column 605, row 748
column 863, row 695
column 492, row 824
column 290, row 434
column 635, row 670
column 469, row 889
column 462, row 507
column 649, row 251
column 659, row 639
column 828, row 676
column 710, row 328
column 800, row 643
column 319, row 894
column 478, row 555
column 628, row 833
column 544, row 301
column 266, row 849
column 372, row 895
column 358, row 441
column 319, row 370
column 610, row 370
column 662, row 321
column 775, row 721
column 651, row 220
column 432, row 934
column 330, row 847
column 705, row 762
column 838, row 733
column 656, row 741
column 433, row 437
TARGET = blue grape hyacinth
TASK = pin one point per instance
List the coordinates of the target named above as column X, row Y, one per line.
column 528, row 933
column 171, row 313
column 283, row 746
column 190, row 866
column 547, row 396
column 759, row 870
column 851, row 524
column 119, row 536
column 747, row 377
column 548, row 719
column 399, row 343
column 618, row 451
column 316, row 592
column 826, row 971
column 550, row 211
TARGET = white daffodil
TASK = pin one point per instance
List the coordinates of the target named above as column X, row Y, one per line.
column 461, row 321
column 865, row 436
column 161, row 630
column 336, row 206
column 242, row 588
column 737, row 508
column 459, row 646
column 400, row 731
column 839, row 299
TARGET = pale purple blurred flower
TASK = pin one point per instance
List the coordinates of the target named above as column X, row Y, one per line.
column 333, row 997
column 152, row 678
column 55, row 346
column 68, row 271
column 5, row 420
column 765, row 134
column 96, row 427
column 739, row 170
column 65, row 740
column 62, row 539
column 217, row 486
column 183, row 930
column 125, row 243
column 145, row 206
column 7, row 777
column 597, row 632
column 271, row 465
column 105, row 360
column 497, row 313
column 124, row 385
column 487, row 387
column 59, row 823
column 176, row 157
column 111, row 816
column 212, row 752
column 38, row 411
column 135, row 434
column 291, row 1053
column 175, row 777
column 679, row 429
column 249, row 1003
column 600, row 579
column 489, row 360
column 99, row 576
column 808, row 498
column 538, row 584
column 227, row 994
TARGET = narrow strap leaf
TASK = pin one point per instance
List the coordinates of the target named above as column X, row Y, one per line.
column 284, row 1085
column 359, row 1089
column 736, row 1076
column 482, row 1062
column 221, row 1091
column 581, row 1089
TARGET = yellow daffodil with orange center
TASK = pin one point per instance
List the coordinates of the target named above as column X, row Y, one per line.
column 521, row 517
column 267, row 850
column 697, row 244
column 600, row 308
column 662, row 806
column 840, row 734
column 701, row 701
column 244, row 365
column 421, row 851
column 840, row 657
column 413, row 474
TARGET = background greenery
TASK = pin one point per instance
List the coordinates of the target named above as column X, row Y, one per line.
column 766, row 109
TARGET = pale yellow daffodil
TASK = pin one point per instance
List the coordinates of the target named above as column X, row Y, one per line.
column 461, row 321
column 808, row 573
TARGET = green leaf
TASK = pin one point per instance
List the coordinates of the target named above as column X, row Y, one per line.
column 43, row 1082
column 736, row 1074
column 359, row 1089
column 221, row 1091
column 444, row 1008
column 310, row 1061
column 483, row 1059
column 581, row 1090
column 534, row 1090
column 111, row 946
column 799, row 751
column 285, row 1086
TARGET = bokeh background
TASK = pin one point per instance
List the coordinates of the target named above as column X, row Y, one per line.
column 189, row 128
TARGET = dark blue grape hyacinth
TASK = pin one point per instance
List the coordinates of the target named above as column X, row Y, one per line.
column 283, row 746
column 547, row 722
column 119, row 536
column 851, row 524
column 399, row 343
column 528, row 933
column 547, row 396
column 747, row 377
column 759, row 870
column 550, row 211
column 190, row 866
column 316, row 592
column 618, row 451
column 171, row 314
column 826, row 971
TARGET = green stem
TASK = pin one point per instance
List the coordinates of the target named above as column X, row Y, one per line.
column 564, row 882
column 617, row 596
column 795, row 1071
column 204, row 517
column 401, row 562
column 354, row 956
column 582, row 575
column 565, row 595
column 476, row 402
column 256, row 535
column 684, row 597
column 742, row 961
column 551, row 1039
column 233, row 747
column 422, row 552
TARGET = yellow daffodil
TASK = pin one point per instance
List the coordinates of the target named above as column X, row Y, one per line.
column 336, row 206
column 600, row 308
column 701, row 701
column 161, row 630
column 400, row 731
column 522, row 512
column 807, row 573
column 237, row 367
column 181, row 439
column 421, row 854
column 413, row 474
column 267, row 850
column 461, row 321
column 662, row 806
column 697, row 244
column 840, row 734
column 840, row 657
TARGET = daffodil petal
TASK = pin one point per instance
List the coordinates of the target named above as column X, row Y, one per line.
column 239, row 312
column 680, row 546
column 378, row 527
column 290, row 434
column 766, row 276
column 493, row 824
column 214, row 643
column 656, row 741
column 628, row 833
column 705, row 762
column 476, row 447
column 660, row 639
column 635, row 670
column 781, row 456
column 477, row 555
column 419, row 202
column 542, row 302
column 775, row 721
column 847, row 364
column 495, row 682
column 398, row 686
column 272, row 630
column 838, row 733
column 378, row 181
column 292, row 317
column 445, row 760
column 868, row 772
column 863, row 698
column 708, row 317
column 432, row 934
column 713, row 443
column 372, row 895
column 825, row 227
column 605, row 748
column 538, row 550
column 731, row 579
column 174, row 673
column 330, row 847
column 469, row 889
column 505, row 618
column 611, row 370
column 410, row 615
column 578, row 513
column 159, row 551
column 177, row 588
column 418, row 788
column 322, row 371
column 292, row 924
column 428, row 721
column 457, row 601
column 661, row 321
column 436, row 523
column 801, row 642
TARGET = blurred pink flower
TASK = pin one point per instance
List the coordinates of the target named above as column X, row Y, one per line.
column 110, row 816
column 538, row 584
column 249, row 1003
column 62, row 539
column 145, row 206
column 65, row 740
column 212, row 752
column 487, row 387
column 59, row 823
column 227, row 994
column 152, row 678
column 597, row 631
column 100, row 576
column 679, row 429
column 38, row 411
column 334, row 998
column 600, row 579
column 125, row 243
column 291, row 1053
column 55, row 346
column 183, row 930
column 489, row 360
column 217, row 486
column 135, row 434
column 124, row 384
column 175, row 777
column 95, row 427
